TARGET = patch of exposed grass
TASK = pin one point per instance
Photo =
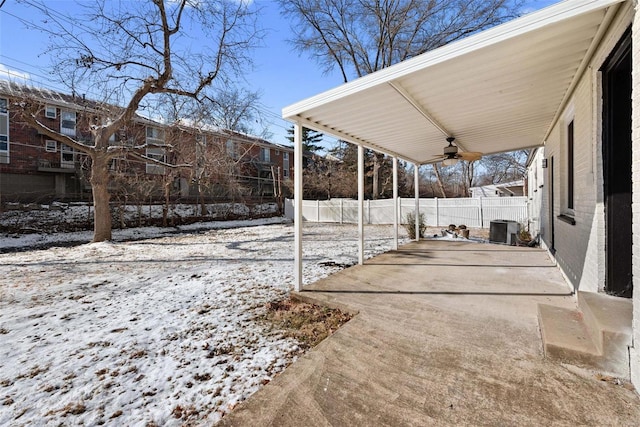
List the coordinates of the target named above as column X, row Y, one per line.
column 307, row 323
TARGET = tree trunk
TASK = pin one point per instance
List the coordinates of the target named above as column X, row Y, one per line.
column 99, row 187
column 439, row 181
column 376, row 177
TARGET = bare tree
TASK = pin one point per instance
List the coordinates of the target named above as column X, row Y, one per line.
column 234, row 108
column 503, row 167
column 468, row 176
column 133, row 53
column 439, row 182
column 359, row 37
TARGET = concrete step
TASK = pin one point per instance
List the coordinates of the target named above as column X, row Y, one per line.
column 565, row 336
column 596, row 338
column 609, row 320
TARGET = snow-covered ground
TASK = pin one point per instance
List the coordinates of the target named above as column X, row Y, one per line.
column 157, row 331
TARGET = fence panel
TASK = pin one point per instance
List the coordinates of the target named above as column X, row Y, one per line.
column 459, row 211
column 472, row 212
column 504, row 208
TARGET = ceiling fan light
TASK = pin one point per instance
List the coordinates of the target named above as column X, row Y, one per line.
column 450, row 161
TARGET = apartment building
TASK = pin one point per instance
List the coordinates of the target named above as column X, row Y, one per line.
column 209, row 162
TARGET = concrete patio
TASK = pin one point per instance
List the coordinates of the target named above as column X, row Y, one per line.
column 446, row 334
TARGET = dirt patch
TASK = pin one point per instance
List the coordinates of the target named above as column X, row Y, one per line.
column 307, row 323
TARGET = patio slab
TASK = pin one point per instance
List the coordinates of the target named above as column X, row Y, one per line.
column 446, row 334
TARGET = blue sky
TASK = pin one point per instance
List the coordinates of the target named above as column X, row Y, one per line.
column 282, row 76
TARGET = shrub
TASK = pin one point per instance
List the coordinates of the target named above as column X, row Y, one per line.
column 410, row 225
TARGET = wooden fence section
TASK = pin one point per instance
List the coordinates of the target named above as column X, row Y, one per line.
column 472, row 212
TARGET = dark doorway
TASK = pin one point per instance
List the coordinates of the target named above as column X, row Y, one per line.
column 617, row 157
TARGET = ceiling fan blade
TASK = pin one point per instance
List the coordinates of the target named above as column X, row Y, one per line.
column 470, row 156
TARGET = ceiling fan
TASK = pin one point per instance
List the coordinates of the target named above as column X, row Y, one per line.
column 451, row 154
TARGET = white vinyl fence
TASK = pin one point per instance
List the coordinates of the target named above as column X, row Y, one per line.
column 472, row 212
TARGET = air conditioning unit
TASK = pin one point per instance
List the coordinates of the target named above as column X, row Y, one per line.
column 503, row 231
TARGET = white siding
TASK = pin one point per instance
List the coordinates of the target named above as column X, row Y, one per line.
column 536, row 193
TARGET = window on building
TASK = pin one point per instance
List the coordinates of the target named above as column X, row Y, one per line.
column 155, row 136
column 4, row 130
column 51, row 146
column 68, row 123
column 231, row 149
column 67, row 156
column 285, row 165
column 50, row 112
column 265, row 154
column 570, row 164
column 159, row 154
column 155, row 150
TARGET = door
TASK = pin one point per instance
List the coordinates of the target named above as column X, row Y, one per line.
column 617, row 158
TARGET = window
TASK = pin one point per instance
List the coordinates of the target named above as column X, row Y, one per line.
column 155, row 150
column 155, row 136
column 67, row 156
column 231, row 149
column 50, row 112
column 285, row 165
column 4, row 130
column 265, row 155
column 159, row 154
column 570, row 162
column 51, row 146
column 68, row 123
column 277, row 152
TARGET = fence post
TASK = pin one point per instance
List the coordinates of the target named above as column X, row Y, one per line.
column 437, row 212
column 341, row 211
column 317, row 210
column 399, row 210
column 368, row 211
column 481, row 213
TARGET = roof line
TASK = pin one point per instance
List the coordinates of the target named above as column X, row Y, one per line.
column 492, row 36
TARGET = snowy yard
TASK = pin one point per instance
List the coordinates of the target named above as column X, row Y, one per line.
column 157, row 331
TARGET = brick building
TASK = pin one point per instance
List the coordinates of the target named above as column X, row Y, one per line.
column 216, row 163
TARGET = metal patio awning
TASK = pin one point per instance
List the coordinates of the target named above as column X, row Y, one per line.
column 499, row 90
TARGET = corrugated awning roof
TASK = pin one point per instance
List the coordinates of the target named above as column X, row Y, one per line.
column 498, row 90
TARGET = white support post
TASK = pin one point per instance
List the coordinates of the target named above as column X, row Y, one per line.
column 395, row 203
column 297, row 202
column 417, row 196
column 360, row 204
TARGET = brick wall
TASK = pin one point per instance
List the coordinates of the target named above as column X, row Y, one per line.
column 580, row 248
